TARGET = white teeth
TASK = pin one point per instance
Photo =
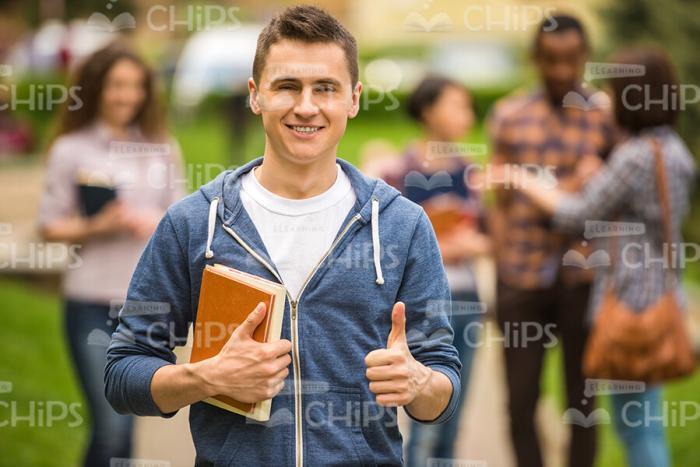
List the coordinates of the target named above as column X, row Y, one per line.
column 305, row 129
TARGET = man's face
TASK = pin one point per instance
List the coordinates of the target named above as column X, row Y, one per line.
column 305, row 96
column 560, row 58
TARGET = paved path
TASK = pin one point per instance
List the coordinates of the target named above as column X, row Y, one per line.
column 483, row 433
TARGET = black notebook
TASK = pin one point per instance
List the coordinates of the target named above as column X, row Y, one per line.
column 94, row 193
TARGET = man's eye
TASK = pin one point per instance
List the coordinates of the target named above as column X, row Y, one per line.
column 326, row 88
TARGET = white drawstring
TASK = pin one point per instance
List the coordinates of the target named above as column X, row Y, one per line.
column 209, row 253
column 375, row 241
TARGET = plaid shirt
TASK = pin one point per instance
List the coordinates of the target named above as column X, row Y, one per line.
column 625, row 191
column 530, row 130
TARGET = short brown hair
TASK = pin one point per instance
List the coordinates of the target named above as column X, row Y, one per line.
column 427, row 94
column 307, row 24
column 656, row 99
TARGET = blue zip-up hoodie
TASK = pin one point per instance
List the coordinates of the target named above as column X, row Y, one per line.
column 326, row 414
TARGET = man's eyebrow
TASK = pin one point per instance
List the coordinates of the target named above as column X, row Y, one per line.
column 284, row 79
column 332, row 81
column 291, row 79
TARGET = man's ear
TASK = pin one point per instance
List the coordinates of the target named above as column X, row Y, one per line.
column 355, row 103
column 253, row 97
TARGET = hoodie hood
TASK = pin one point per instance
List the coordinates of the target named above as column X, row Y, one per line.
column 373, row 196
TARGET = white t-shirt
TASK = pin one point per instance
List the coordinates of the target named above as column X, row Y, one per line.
column 297, row 232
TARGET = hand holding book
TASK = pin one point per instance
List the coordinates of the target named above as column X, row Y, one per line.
column 245, row 369
column 105, row 214
column 241, row 375
column 113, row 218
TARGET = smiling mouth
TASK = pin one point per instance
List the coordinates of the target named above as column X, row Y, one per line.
column 304, row 129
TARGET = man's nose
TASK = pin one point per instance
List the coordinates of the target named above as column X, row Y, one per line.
column 306, row 105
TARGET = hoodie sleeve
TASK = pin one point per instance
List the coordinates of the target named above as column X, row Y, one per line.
column 154, row 319
column 426, row 294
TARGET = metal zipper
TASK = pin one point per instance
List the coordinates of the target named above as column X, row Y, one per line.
column 294, row 331
column 354, row 219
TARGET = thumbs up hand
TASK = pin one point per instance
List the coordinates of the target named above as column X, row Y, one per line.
column 395, row 377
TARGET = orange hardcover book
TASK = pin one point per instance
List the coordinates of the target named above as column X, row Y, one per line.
column 447, row 215
column 226, row 298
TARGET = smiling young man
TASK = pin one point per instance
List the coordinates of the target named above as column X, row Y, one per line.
column 366, row 324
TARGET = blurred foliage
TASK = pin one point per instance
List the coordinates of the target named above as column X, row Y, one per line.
column 673, row 25
column 32, row 12
column 28, row 88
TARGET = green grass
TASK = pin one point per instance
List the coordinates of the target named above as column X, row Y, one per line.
column 682, row 440
column 34, row 359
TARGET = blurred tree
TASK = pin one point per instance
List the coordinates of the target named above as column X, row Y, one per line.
column 673, row 25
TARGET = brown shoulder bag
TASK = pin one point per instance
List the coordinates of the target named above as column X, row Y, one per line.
column 652, row 345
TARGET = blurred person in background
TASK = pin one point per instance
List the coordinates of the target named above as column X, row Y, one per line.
column 114, row 132
column 433, row 172
column 550, row 131
column 625, row 190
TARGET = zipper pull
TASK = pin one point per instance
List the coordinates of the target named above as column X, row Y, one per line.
column 294, row 309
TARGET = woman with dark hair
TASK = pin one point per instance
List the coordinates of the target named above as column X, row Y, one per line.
column 434, row 173
column 112, row 135
column 626, row 190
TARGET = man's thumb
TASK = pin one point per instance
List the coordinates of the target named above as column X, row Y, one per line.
column 247, row 327
column 398, row 325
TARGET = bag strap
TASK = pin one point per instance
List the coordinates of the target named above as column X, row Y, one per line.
column 667, row 236
column 663, row 192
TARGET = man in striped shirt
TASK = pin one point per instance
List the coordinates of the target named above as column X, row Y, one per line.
column 557, row 130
